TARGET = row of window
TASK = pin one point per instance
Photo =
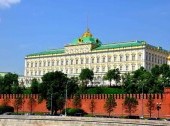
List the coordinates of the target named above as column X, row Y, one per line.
column 96, row 70
column 155, row 58
column 85, row 60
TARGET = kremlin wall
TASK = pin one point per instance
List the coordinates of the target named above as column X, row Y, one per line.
column 99, row 99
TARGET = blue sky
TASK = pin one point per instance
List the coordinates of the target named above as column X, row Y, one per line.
column 28, row 26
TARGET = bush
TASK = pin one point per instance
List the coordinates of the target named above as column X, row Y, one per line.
column 4, row 109
column 74, row 112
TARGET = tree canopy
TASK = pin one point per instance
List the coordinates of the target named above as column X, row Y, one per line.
column 53, row 89
column 86, row 75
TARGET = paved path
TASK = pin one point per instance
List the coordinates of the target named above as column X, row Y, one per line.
column 28, row 120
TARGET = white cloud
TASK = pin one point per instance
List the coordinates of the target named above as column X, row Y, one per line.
column 8, row 3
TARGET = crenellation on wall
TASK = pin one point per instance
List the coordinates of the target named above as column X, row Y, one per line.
column 100, row 100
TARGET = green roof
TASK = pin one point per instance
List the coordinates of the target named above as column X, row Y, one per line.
column 120, row 45
column 85, row 40
column 48, row 52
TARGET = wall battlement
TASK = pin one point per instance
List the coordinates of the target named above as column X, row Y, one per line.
column 99, row 100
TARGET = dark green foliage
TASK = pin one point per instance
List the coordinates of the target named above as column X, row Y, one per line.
column 110, row 104
column 105, row 90
column 31, row 104
column 113, row 74
column 74, row 112
column 92, row 106
column 150, row 82
column 86, row 75
column 53, row 87
column 150, row 105
column 130, row 105
column 4, row 109
column 9, row 83
column 77, row 101
column 18, row 103
column 34, row 86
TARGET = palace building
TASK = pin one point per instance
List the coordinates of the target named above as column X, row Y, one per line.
column 89, row 52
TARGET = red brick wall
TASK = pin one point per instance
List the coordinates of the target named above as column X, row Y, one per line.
column 100, row 99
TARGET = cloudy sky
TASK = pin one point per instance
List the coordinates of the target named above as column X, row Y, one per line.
column 28, row 26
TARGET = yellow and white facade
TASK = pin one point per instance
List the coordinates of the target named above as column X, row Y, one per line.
column 89, row 52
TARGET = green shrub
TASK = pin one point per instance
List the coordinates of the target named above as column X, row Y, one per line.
column 4, row 109
column 74, row 112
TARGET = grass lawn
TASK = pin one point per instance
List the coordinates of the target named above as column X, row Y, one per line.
column 105, row 90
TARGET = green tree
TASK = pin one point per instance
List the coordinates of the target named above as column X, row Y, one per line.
column 110, row 104
column 7, row 82
column 150, row 105
column 165, row 74
column 113, row 74
column 92, row 106
column 130, row 105
column 18, row 102
column 77, row 101
column 53, row 89
column 86, row 75
column 34, row 86
column 31, row 104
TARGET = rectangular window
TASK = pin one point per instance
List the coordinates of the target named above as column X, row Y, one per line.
column 27, row 64
column 115, row 58
column 121, row 58
column 133, row 67
column 76, row 61
column 98, row 59
column 49, row 63
column 92, row 60
column 127, row 68
column 133, row 57
column 87, row 60
column 103, row 59
column 71, row 62
column 120, row 68
column 127, row 57
column 81, row 61
column 109, row 59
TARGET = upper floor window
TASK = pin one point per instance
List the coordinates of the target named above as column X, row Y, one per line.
column 40, row 64
column 109, row 58
column 127, row 57
column 115, row 58
column 139, row 56
column 103, row 59
column 120, row 68
column 62, row 62
column 66, row 62
column 57, row 62
column 87, row 60
column 103, row 69
column 35, row 64
column 127, row 67
column 133, row 67
column 82, row 61
column 98, row 59
column 27, row 64
column 92, row 60
column 71, row 61
column 31, row 64
column 133, row 57
column 77, row 61
column 97, row 69
column 121, row 58
column 44, row 63
column 48, row 63
column 52, row 63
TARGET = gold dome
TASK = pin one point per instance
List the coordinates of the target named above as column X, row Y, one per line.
column 87, row 34
column 168, row 58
